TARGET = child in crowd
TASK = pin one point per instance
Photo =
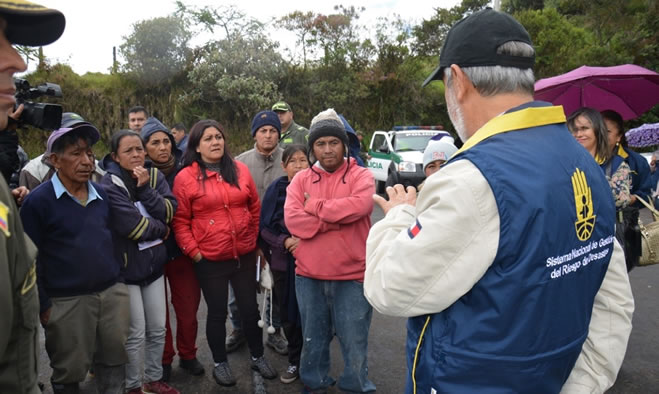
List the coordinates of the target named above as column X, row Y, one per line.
column 281, row 245
column 440, row 148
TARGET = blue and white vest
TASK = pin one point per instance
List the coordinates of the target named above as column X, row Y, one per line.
column 521, row 327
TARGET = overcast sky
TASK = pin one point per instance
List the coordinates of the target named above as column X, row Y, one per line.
column 93, row 27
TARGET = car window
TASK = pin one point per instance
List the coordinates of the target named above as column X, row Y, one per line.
column 379, row 141
column 407, row 143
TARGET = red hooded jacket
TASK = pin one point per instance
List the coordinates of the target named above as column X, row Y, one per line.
column 213, row 217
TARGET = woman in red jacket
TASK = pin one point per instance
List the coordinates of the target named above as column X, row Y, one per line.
column 217, row 225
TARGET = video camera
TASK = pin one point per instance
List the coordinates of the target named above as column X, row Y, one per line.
column 40, row 115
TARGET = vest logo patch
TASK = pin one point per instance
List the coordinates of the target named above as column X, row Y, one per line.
column 414, row 230
column 583, row 200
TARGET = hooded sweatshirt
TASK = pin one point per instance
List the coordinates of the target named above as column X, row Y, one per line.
column 333, row 223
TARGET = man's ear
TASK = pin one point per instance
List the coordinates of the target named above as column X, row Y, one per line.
column 54, row 160
column 461, row 84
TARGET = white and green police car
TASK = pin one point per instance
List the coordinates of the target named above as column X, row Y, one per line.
column 397, row 155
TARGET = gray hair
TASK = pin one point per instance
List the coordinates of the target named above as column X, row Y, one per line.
column 493, row 80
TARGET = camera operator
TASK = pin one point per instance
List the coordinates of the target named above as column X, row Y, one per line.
column 21, row 23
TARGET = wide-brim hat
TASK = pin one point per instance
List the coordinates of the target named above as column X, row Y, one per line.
column 85, row 128
column 31, row 24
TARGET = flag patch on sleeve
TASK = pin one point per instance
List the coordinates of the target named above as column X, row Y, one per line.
column 4, row 219
column 414, row 230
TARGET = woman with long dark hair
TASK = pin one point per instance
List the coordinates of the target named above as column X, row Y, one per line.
column 217, row 226
column 640, row 185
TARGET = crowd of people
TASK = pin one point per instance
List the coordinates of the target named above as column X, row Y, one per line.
column 476, row 260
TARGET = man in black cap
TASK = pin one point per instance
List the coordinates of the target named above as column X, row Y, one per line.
column 21, row 23
column 506, row 264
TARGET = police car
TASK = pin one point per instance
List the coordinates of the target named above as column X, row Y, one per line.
column 397, row 155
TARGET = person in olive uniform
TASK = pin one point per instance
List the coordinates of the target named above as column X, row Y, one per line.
column 21, row 23
column 291, row 132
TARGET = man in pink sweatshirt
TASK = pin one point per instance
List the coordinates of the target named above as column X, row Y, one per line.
column 328, row 207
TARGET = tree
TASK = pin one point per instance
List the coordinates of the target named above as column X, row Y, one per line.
column 512, row 6
column 156, row 50
column 302, row 24
column 430, row 35
column 241, row 73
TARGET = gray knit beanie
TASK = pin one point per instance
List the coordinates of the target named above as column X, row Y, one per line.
column 327, row 124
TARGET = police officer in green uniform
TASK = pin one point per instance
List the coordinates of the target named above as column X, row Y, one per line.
column 291, row 132
column 21, row 23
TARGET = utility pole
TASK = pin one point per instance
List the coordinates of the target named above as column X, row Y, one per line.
column 114, row 60
column 496, row 5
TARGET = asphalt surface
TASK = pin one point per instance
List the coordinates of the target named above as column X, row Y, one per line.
column 386, row 356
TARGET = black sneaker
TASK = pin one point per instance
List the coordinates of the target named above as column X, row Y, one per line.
column 278, row 343
column 234, row 341
column 166, row 372
column 223, row 375
column 192, row 366
column 263, row 366
column 291, row 374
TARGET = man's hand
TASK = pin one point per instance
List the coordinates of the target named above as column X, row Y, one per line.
column 197, row 258
column 20, row 193
column 17, row 113
column 291, row 243
column 397, row 196
column 306, row 198
column 45, row 316
column 141, row 174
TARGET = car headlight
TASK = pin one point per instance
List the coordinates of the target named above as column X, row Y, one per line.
column 406, row 166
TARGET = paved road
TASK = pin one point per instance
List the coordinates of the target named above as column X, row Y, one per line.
column 639, row 373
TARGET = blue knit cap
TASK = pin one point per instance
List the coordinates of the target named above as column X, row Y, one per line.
column 266, row 118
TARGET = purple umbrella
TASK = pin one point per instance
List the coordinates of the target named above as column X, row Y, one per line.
column 642, row 136
column 629, row 90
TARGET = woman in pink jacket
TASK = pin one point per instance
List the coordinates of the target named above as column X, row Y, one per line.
column 217, row 225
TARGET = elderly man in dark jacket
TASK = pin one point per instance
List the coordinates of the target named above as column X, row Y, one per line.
column 84, row 307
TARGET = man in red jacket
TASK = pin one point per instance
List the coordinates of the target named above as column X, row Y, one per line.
column 328, row 207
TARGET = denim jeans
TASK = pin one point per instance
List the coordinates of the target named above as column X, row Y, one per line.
column 328, row 307
column 147, row 331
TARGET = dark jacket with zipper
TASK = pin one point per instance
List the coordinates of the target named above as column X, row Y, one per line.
column 173, row 251
column 141, row 267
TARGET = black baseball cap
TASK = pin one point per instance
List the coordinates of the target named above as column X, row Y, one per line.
column 31, row 24
column 474, row 40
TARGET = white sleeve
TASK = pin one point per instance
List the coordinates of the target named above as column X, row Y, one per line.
column 457, row 242
column 610, row 326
